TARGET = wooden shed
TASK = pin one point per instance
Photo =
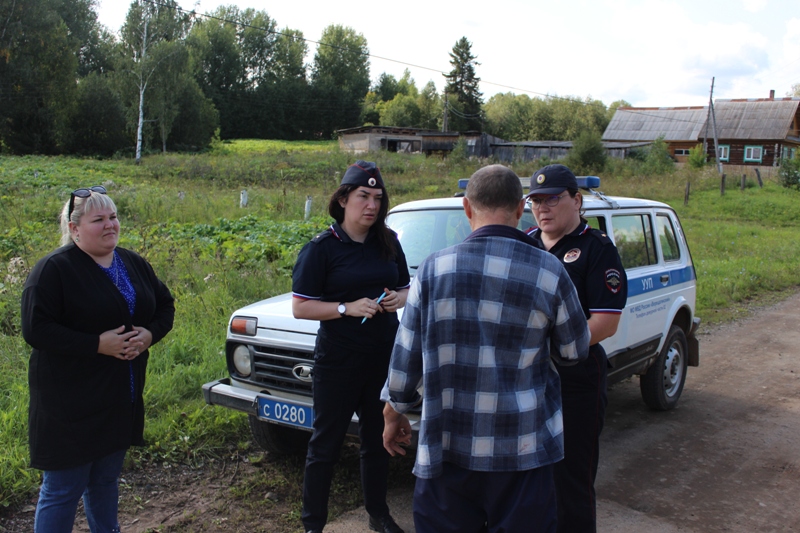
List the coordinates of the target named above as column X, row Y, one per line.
column 373, row 138
column 531, row 150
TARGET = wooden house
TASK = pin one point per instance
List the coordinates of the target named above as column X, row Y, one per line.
column 757, row 132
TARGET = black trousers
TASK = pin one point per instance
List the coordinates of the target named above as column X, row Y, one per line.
column 346, row 382
column 466, row 501
column 583, row 400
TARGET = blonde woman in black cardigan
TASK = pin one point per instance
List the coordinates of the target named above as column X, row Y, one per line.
column 90, row 311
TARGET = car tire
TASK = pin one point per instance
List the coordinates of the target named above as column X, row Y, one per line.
column 662, row 385
column 278, row 440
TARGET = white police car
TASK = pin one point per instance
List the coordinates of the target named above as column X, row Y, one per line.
column 270, row 353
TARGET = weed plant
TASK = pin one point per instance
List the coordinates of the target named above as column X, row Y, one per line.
column 182, row 213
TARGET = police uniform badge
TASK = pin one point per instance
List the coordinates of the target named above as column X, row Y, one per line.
column 613, row 280
column 572, row 255
column 540, row 179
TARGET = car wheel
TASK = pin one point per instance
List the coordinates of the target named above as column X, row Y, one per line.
column 277, row 439
column 663, row 383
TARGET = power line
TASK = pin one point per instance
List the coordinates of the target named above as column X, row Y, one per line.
column 399, row 62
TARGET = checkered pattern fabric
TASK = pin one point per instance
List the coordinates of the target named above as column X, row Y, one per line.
column 477, row 331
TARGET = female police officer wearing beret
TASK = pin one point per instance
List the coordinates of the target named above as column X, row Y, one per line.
column 338, row 279
column 593, row 264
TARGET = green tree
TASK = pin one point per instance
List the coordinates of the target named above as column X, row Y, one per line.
column 401, row 111
column 430, row 107
column 197, row 119
column 218, row 67
column 147, row 35
column 386, row 87
column 462, row 83
column 339, row 80
column 371, row 109
column 342, row 59
column 98, row 123
column 166, row 84
column 38, row 64
column 407, row 86
column 588, row 155
column 289, row 56
column 508, row 116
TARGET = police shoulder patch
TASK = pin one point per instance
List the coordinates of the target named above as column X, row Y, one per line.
column 613, row 280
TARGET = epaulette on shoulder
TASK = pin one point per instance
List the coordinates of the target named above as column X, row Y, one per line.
column 319, row 237
column 601, row 236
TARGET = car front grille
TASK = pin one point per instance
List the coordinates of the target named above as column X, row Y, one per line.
column 272, row 369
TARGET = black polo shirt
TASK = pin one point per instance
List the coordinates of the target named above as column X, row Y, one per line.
column 594, row 266
column 334, row 268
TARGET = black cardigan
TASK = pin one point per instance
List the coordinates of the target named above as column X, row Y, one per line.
column 80, row 406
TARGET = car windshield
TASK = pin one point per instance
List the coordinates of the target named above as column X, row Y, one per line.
column 423, row 232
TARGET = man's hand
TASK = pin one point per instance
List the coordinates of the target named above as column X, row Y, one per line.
column 396, row 431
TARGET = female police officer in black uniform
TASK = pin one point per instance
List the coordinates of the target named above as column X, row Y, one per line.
column 338, row 279
column 593, row 264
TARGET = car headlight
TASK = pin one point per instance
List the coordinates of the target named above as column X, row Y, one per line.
column 242, row 360
column 244, row 325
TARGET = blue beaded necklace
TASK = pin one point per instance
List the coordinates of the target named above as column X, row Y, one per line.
column 118, row 275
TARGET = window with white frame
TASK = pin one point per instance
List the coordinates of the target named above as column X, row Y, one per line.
column 681, row 151
column 752, row 153
column 724, row 152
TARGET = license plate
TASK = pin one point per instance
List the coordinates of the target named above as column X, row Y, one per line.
column 286, row 412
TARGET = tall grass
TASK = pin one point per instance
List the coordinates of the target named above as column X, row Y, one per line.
column 182, row 213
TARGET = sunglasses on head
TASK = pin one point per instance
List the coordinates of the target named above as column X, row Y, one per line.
column 83, row 192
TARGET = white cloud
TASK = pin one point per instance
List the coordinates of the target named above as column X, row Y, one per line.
column 754, row 6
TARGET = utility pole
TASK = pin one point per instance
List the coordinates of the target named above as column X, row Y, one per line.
column 444, row 119
column 714, row 122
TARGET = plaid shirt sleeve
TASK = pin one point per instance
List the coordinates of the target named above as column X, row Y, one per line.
column 570, row 334
column 405, row 368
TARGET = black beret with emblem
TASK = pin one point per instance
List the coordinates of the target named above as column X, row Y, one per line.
column 552, row 179
column 363, row 174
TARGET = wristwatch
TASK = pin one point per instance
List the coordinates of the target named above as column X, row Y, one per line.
column 342, row 309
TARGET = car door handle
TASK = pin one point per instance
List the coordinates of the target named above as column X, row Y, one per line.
column 664, row 278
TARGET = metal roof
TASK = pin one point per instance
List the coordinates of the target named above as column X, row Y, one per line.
column 649, row 123
column 568, row 144
column 762, row 119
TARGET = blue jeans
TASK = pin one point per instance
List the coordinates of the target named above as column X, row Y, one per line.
column 97, row 482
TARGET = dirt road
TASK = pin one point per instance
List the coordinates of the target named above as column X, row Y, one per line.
column 726, row 459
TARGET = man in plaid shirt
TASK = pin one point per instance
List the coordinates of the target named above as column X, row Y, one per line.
column 483, row 323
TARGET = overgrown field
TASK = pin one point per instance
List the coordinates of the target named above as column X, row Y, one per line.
column 182, row 213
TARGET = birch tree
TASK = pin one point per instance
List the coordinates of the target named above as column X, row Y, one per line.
column 148, row 27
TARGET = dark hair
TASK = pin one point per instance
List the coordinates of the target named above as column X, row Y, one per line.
column 581, row 210
column 384, row 235
column 494, row 187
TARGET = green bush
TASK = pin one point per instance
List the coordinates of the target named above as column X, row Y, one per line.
column 588, row 155
column 697, row 157
column 790, row 172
